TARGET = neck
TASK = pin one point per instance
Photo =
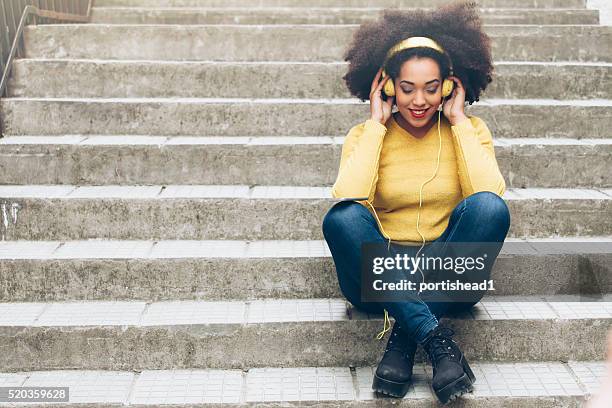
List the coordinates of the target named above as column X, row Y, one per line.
column 416, row 132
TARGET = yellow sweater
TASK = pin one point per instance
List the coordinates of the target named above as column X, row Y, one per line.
column 388, row 165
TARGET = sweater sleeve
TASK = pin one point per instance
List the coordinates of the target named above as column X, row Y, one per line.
column 476, row 163
column 358, row 171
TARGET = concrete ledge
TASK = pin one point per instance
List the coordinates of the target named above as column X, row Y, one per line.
column 337, row 3
column 290, row 42
column 300, row 161
column 323, row 15
column 514, row 118
column 140, row 79
column 243, row 270
column 258, row 213
column 277, row 333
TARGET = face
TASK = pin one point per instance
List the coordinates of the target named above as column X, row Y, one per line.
column 418, row 87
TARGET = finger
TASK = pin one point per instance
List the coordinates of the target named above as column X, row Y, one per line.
column 375, row 81
column 378, row 89
column 458, row 83
column 382, row 83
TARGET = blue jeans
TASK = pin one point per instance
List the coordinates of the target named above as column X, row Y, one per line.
column 481, row 217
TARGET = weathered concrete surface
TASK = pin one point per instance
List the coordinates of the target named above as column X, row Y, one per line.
column 253, row 218
column 275, row 344
column 466, row 401
column 139, row 79
column 338, row 3
column 29, row 280
column 303, row 15
column 523, row 166
column 290, row 43
column 286, row 117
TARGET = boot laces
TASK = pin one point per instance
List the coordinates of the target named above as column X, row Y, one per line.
column 395, row 341
column 441, row 345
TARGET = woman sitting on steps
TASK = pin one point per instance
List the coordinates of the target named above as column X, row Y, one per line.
column 423, row 174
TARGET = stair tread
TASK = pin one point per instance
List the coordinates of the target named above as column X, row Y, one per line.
column 160, row 140
column 274, row 311
column 207, row 249
column 252, row 192
column 494, row 381
column 327, row 101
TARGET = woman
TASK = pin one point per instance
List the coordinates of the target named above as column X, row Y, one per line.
column 423, row 174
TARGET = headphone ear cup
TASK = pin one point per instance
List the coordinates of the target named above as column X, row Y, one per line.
column 388, row 87
column 447, row 87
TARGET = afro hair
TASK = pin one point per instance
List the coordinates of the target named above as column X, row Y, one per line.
column 456, row 27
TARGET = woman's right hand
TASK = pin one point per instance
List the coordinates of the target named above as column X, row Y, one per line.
column 380, row 110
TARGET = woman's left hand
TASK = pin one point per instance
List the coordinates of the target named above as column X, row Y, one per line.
column 453, row 106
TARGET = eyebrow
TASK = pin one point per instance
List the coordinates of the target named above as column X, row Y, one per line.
column 426, row 83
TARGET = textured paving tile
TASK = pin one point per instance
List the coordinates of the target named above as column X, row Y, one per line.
column 205, row 192
column 199, row 249
column 201, row 140
column 590, row 374
column 299, row 384
column 257, row 192
column 524, row 379
column 287, row 249
column 91, row 314
column 272, row 310
column 560, row 194
column 498, row 310
column 103, row 249
column 12, row 379
column 99, row 249
column 125, row 192
column 35, row 191
column 291, row 384
column 188, row 386
column 290, row 192
column 124, row 140
column 194, row 312
column 27, row 249
column 19, row 314
column 582, row 310
column 86, row 386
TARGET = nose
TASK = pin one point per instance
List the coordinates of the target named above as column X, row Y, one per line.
column 419, row 99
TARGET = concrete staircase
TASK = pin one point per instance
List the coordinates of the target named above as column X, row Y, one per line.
column 165, row 171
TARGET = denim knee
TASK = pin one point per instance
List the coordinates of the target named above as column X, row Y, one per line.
column 341, row 217
column 491, row 209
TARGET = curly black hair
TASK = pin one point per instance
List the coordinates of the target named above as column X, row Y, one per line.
column 456, row 27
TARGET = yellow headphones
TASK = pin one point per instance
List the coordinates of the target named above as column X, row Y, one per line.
column 413, row 42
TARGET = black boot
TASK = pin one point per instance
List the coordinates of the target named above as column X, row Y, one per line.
column 394, row 373
column 452, row 375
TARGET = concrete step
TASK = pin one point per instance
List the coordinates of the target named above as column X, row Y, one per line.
column 35, row 271
column 53, row 78
column 545, row 384
column 315, row 15
column 281, row 117
column 300, row 161
column 336, row 3
column 278, row 333
column 290, row 42
column 542, row 384
column 242, row 212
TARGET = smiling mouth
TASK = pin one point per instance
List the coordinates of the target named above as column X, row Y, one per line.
column 418, row 112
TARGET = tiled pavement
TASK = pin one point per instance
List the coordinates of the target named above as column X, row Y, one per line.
column 304, row 384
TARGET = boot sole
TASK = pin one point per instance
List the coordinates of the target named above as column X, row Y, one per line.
column 390, row 388
column 457, row 388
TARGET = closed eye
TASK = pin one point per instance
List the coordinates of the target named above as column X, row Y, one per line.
column 431, row 91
